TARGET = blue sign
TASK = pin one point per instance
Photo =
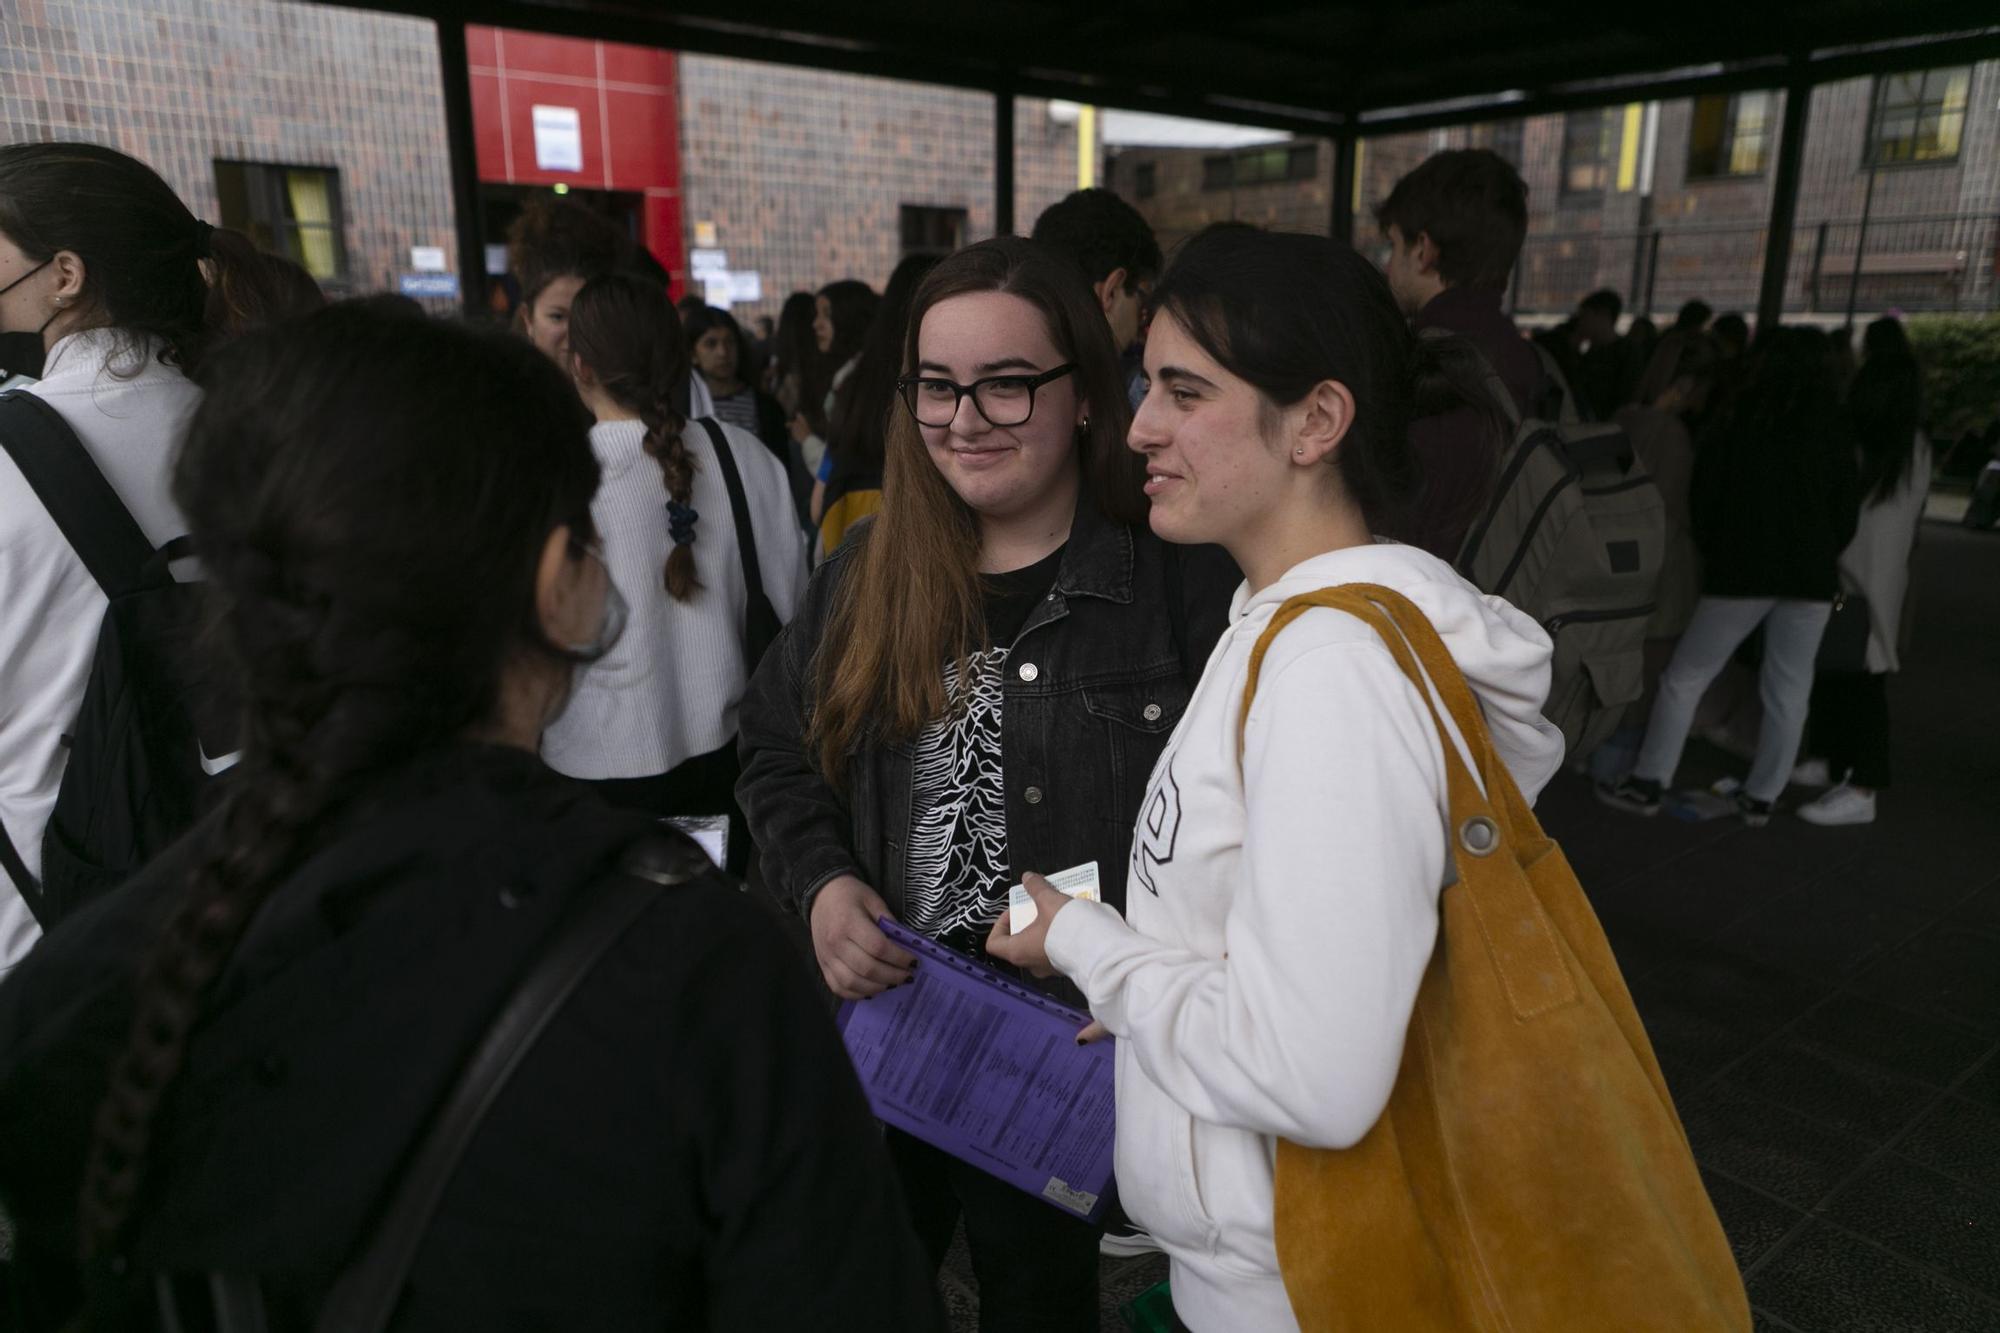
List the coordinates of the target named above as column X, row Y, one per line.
column 428, row 284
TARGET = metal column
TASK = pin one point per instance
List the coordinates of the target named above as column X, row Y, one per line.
column 1784, row 206
column 456, row 79
column 1003, row 164
column 1340, row 222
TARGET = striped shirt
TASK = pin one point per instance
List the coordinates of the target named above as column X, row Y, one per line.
column 738, row 409
column 669, row 689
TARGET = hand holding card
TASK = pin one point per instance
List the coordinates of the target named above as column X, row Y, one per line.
column 1077, row 882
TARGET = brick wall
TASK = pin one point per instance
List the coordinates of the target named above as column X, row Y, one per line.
column 181, row 83
column 804, row 172
column 1180, row 205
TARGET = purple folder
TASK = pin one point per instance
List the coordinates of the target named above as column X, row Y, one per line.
column 973, row 1062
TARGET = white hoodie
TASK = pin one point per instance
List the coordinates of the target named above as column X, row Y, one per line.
column 1280, row 913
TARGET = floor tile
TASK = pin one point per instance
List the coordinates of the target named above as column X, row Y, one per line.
column 1949, row 971
column 1772, row 1147
column 1926, row 1217
column 1708, row 1010
column 1960, row 1138
column 1983, row 1085
column 1838, row 1090
column 1752, row 1221
column 1827, row 1282
column 1809, row 935
column 1932, row 1049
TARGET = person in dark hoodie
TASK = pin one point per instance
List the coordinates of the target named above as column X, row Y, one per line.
column 1455, row 227
column 223, row 1066
column 1774, row 498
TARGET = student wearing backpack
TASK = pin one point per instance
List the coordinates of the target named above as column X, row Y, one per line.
column 977, row 685
column 1455, row 227
column 654, row 721
column 226, row 1066
column 102, row 262
column 1285, row 893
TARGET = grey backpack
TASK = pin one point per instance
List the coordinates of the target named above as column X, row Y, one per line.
column 1574, row 534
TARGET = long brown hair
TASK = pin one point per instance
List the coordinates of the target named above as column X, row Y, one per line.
column 913, row 601
column 624, row 332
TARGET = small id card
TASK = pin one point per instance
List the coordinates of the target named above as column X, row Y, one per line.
column 1077, row 882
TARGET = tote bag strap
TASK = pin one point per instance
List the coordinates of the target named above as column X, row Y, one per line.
column 1487, row 829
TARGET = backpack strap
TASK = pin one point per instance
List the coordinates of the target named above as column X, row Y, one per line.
column 366, row 1294
column 760, row 618
column 1496, row 388
column 17, row 870
column 94, row 521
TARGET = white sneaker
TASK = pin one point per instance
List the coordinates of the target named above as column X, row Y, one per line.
column 1842, row 805
column 1812, row 773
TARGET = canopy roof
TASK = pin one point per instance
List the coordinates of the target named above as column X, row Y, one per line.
column 1311, row 67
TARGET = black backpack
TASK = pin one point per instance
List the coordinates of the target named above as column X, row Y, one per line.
column 155, row 730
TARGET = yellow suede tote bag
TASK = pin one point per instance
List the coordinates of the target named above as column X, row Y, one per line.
column 1530, row 1172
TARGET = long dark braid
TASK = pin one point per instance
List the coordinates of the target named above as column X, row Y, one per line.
column 628, row 337
column 337, row 528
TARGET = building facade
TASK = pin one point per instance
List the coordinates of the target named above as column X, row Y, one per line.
column 320, row 131
column 1669, row 201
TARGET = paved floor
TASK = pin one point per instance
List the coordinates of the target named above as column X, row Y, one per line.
column 1826, row 1002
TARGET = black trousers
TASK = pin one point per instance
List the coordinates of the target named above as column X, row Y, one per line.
column 1037, row 1267
column 1850, row 725
column 703, row 785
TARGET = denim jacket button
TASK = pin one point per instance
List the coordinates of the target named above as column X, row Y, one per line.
column 1029, row 671
column 1151, row 712
column 1033, row 795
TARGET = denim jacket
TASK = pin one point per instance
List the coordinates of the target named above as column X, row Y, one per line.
column 1095, row 682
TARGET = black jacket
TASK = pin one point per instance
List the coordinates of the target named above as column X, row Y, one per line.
column 1095, row 682
column 1771, row 516
column 685, row 1147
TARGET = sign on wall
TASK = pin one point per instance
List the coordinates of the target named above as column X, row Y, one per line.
column 428, row 284
column 558, row 138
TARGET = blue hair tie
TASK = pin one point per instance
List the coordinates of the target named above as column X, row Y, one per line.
column 680, row 522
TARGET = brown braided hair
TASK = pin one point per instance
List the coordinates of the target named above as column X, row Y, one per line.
column 626, row 335
column 336, row 528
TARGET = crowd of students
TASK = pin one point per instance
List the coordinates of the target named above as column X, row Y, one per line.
column 964, row 582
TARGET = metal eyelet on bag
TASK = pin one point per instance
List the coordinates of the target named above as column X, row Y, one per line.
column 1479, row 835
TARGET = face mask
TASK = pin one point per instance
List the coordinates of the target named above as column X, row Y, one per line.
column 610, row 629
column 23, row 278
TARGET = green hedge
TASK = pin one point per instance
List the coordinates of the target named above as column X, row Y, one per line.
column 1960, row 355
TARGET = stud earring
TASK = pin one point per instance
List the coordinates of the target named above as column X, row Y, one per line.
column 1300, row 452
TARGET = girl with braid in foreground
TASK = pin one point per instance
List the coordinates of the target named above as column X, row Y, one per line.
column 223, row 1066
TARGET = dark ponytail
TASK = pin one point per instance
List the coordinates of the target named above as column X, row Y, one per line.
column 336, row 529
column 143, row 252
column 1286, row 311
column 623, row 332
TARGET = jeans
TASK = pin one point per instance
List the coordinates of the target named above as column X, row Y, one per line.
column 1792, row 632
column 1037, row 1268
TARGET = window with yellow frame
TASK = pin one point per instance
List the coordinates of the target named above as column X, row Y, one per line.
column 1918, row 116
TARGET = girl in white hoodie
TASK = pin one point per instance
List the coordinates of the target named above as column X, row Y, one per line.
column 1284, row 900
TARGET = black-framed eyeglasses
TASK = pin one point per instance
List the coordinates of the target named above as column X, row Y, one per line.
column 1004, row 400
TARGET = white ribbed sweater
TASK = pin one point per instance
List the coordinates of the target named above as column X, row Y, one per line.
column 669, row 690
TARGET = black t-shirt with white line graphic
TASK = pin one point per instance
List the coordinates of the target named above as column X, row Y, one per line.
column 955, row 867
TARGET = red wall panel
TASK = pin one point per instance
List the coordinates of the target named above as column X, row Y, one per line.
column 514, row 71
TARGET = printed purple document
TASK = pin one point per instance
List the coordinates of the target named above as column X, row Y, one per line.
column 971, row 1061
